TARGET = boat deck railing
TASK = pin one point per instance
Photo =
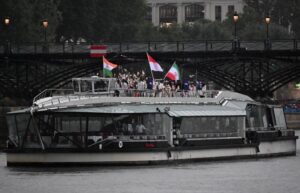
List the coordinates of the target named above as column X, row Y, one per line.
column 50, row 97
column 52, row 92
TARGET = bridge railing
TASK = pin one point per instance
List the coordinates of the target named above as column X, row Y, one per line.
column 125, row 47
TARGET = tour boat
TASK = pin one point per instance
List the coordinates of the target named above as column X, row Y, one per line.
column 99, row 123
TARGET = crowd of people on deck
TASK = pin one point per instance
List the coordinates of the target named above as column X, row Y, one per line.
column 138, row 81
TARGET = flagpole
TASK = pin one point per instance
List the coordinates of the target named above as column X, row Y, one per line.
column 103, row 67
column 150, row 69
column 152, row 75
column 181, row 78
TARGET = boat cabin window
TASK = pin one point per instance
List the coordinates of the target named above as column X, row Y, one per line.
column 101, row 85
column 79, row 131
column 256, row 117
column 12, row 129
column 128, row 125
column 280, row 118
column 93, row 84
column 22, row 131
column 197, row 127
column 86, row 86
column 76, row 86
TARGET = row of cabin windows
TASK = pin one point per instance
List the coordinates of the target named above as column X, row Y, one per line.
column 168, row 13
column 137, row 126
column 87, row 85
column 76, row 131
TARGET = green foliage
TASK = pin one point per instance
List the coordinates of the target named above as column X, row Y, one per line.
column 285, row 13
column 101, row 20
column 77, row 19
column 278, row 32
column 206, row 30
column 26, row 20
column 148, row 32
column 118, row 20
column 214, row 31
column 262, row 8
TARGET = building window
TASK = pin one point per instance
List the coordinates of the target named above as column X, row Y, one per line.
column 148, row 13
column 230, row 10
column 168, row 14
column 218, row 13
column 194, row 12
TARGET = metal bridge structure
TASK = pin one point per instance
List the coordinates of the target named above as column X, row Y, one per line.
column 256, row 68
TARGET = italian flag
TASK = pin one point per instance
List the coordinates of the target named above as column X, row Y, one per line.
column 108, row 67
column 173, row 73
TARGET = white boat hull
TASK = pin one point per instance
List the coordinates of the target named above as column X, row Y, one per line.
column 265, row 149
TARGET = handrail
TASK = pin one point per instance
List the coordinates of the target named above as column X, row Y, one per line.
column 49, row 93
column 150, row 46
column 122, row 92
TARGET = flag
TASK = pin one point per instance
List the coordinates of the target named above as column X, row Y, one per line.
column 108, row 67
column 154, row 66
column 173, row 73
column 97, row 51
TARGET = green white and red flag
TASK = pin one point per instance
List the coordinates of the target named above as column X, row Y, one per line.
column 108, row 67
column 173, row 73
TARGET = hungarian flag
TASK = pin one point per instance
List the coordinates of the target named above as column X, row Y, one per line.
column 154, row 66
column 173, row 73
column 108, row 67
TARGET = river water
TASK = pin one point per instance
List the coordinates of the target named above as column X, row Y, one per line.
column 270, row 175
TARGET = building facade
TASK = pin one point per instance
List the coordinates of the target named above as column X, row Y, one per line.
column 165, row 12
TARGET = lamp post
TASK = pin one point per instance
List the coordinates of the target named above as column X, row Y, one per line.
column 7, row 23
column 267, row 20
column 235, row 20
column 45, row 24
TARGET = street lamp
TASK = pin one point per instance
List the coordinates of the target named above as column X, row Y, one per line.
column 268, row 20
column 235, row 20
column 7, row 23
column 45, row 25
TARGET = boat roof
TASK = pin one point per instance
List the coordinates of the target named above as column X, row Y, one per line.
column 109, row 104
column 77, row 100
column 175, row 110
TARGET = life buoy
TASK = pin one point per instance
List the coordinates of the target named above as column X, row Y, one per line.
column 120, row 144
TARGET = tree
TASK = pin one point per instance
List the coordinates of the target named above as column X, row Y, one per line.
column 101, row 20
column 148, row 32
column 119, row 20
column 255, row 31
column 77, row 20
column 26, row 19
column 45, row 10
column 262, row 8
column 285, row 13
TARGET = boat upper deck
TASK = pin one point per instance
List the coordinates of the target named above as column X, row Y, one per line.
column 97, row 91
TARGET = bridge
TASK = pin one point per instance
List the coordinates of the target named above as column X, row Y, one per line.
column 256, row 68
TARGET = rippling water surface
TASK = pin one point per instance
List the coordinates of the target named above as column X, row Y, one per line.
column 278, row 175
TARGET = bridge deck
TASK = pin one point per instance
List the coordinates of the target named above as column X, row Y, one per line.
column 141, row 47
